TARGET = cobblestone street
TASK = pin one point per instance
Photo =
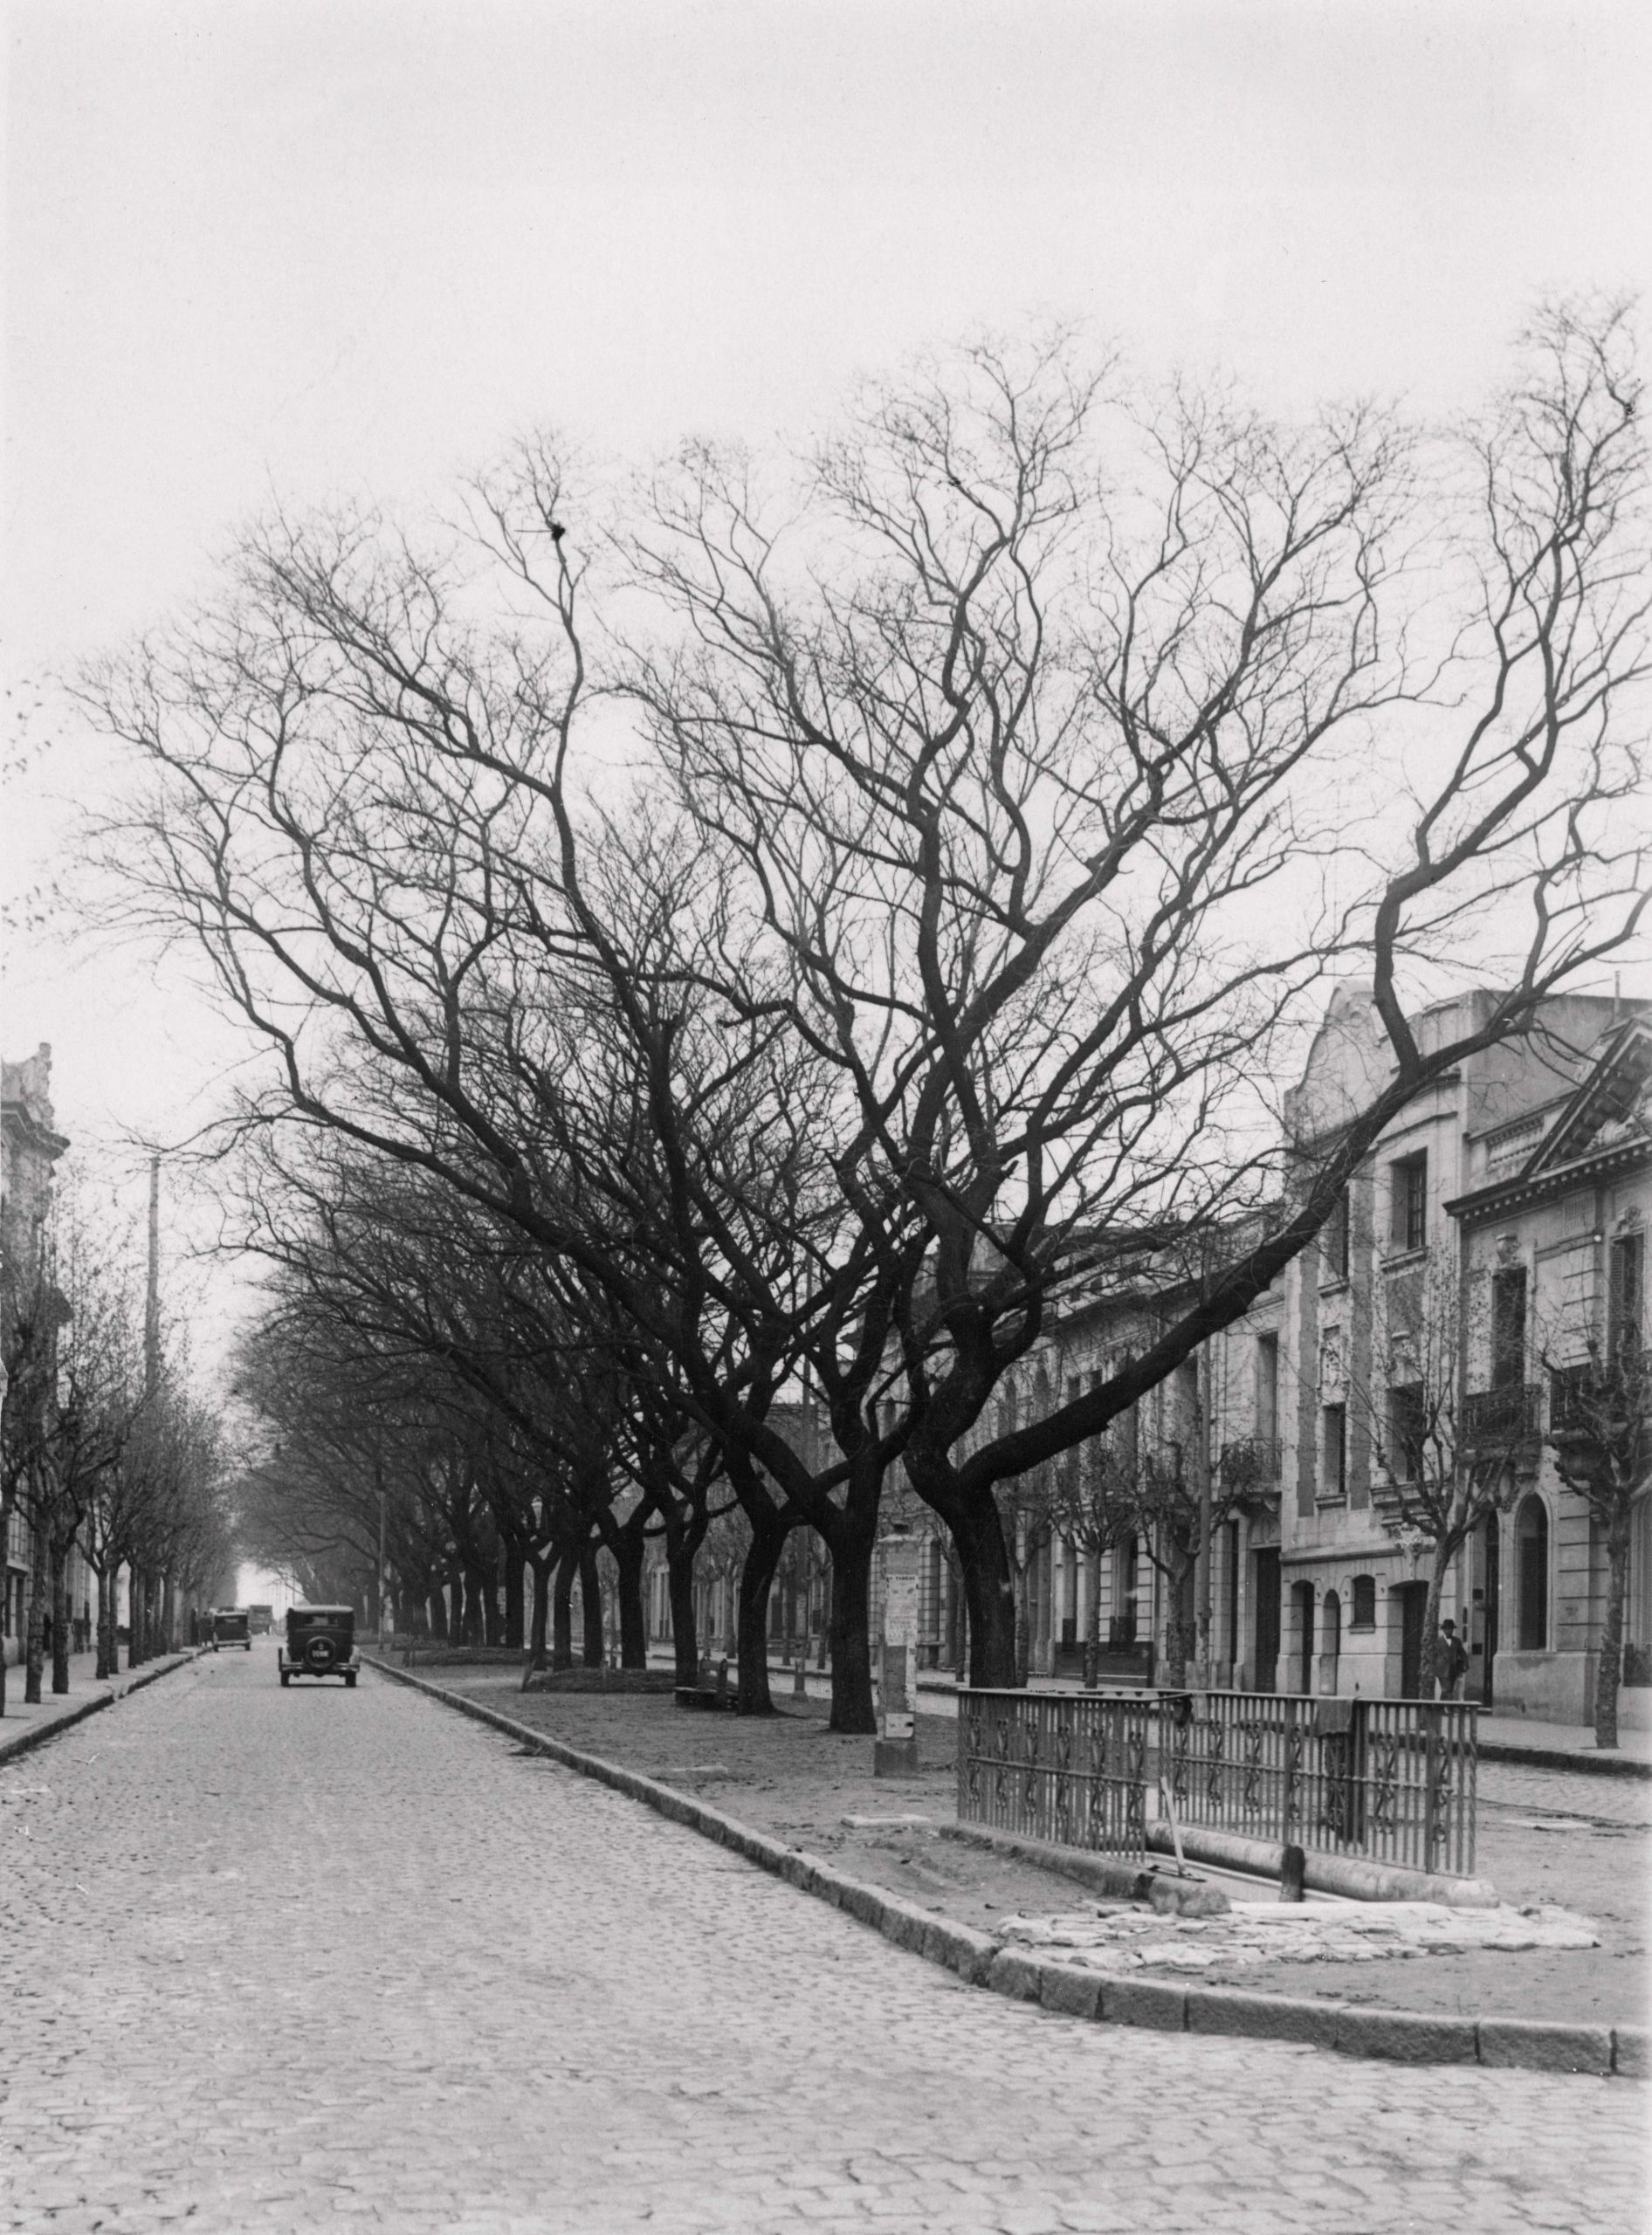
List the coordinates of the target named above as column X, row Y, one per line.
column 280, row 1960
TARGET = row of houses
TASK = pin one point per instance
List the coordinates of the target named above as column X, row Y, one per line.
column 1494, row 1233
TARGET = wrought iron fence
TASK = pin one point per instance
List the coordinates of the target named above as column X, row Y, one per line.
column 1391, row 1779
column 1071, row 1768
column 1394, row 1780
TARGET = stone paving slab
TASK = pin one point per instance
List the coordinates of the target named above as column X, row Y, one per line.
column 284, row 1961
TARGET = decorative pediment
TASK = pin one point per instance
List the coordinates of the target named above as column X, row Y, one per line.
column 1609, row 1104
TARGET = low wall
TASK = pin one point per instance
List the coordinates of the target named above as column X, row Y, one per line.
column 1549, row 1686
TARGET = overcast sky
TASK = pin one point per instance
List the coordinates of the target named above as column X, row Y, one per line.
column 288, row 248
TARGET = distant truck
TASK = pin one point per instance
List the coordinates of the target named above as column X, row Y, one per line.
column 261, row 1620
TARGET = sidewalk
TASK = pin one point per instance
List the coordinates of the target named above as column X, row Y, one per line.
column 22, row 1727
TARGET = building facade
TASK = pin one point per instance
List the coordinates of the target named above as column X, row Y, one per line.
column 1552, row 1225
column 29, row 1146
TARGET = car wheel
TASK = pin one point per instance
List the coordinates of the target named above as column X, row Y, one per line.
column 349, row 1682
column 286, row 1678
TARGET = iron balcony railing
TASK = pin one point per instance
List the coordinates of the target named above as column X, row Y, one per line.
column 1065, row 1767
column 1511, row 1414
column 1582, row 1397
column 1252, row 1462
column 1394, row 1780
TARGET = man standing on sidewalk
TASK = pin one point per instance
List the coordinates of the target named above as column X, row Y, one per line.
column 1454, row 1660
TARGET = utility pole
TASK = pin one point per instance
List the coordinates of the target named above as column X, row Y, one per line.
column 152, row 1302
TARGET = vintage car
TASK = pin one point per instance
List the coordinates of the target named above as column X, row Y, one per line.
column 230, row 1627
column 320, row 1642
column 261, row 1619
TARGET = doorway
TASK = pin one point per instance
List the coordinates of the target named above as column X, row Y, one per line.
column 1267, row 1620
column 1491, row 1562
column 1302, row 1606
column 1413, row 1605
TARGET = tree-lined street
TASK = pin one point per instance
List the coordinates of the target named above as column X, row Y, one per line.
column 326, row 1957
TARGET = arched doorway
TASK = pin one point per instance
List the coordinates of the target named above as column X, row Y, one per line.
column 1531, row 1573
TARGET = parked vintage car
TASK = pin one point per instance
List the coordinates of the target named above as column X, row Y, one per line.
column 261, row 1619
column 231, row 1626
column 320, row 1642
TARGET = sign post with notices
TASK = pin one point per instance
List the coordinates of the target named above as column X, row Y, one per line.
column 894, row 1751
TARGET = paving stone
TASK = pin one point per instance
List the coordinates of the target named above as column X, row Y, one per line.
column 1536, row 2047
column 548, row 2008
column 1408, row 2036
column 1267, row 2018
column 1065, row 1987
column 1143, row 2002
column 1013, row 1975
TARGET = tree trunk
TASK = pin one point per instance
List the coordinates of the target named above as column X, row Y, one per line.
column 1609, row 1669
column 515, row 1598
column 852, row 1706
column 756, row 1581
column 541, row 1619
column 562, row 1611
column 1093, row 1621
column 590, row 1609
column 106, row 1623
column 1177, row 1640
column 990, row 1595
column 39, row 1591
column 629, row 1551
column 60, row 1638
column 680, row 1547
column 487, row 1593
column 168, row 1612
column 1429, row 1669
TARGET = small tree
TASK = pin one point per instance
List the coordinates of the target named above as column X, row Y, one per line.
column 1601, row 1432
column 1094, row 1509
column 1449, row 1455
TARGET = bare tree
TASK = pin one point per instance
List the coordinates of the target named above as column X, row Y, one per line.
column 1601, row 1432
column 1003, row 777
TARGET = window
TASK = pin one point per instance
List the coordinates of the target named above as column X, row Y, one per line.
column 1268, row 1387
column 1508, row 1328
column 1532, row 1577
column 1408, row 1431
column 1333, row 1242
column 1409, row 1198
column 1334, row 1451
column 1625, row 1293
column 1363, row 1614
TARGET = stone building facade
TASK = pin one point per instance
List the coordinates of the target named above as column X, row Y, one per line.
column 29, row 1146
column 1553, row 1224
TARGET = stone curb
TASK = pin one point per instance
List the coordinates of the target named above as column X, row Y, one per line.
column 980, row 1959
column 1548, row 1758
column 25, row 1742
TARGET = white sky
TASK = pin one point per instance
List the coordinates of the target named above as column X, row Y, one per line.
column 289, row 248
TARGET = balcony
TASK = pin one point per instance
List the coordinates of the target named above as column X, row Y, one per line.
column 1583, row 1399
column 1503, row 1417
column 1250, row 1468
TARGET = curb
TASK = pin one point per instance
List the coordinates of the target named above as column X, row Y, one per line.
column 1546, row 1758
column 980, row 1959
column 11, row 1748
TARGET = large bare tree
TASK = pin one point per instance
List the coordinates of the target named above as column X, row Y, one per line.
column 1017, row 780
